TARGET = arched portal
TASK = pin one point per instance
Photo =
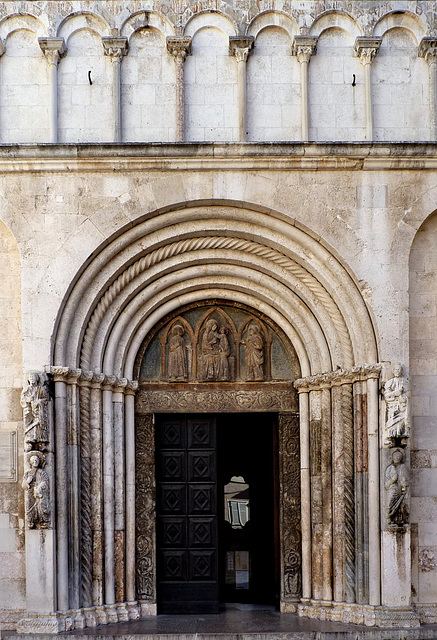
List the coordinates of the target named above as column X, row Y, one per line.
column 148, row 272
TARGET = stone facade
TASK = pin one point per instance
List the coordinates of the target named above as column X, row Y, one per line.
column 327, row 247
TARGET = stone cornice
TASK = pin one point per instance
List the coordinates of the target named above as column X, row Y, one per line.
column 299, row 156
column 90, row 379
column 337, row 378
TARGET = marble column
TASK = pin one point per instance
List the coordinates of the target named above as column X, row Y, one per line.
column 316, row 494
column 62, row 524
column 116, row 48
column 373, row 491
column 119, row 487
column 74, row 471
column 303, row 48
column 305, row 484
column 428, row 50
column 53, row 49
column 86, row 542
column 240, row 47
column 129, row 418
column 179, row 48
column 96, row 424
column 366, row 49
column 326, row 472
column 108, row 488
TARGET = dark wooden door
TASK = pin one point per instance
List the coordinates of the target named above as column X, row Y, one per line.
column 186, row 468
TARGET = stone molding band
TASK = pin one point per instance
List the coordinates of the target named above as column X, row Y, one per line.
column 92, row 379
column 339, row 377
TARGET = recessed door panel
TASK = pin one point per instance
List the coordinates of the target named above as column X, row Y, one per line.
column 186, row 514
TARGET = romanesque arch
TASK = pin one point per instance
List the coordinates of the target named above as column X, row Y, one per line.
column 260, row 260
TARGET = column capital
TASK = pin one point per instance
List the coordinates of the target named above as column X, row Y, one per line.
column 240, row 47
column 115, row 46
column 366, row 48
column 179, row 47
column 428, row 49
column 53, row 49
column 304, row 47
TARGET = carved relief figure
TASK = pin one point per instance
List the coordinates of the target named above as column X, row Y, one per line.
column 37, row 487
column 396, row 424
column 396, row 485
column 223, row 372
column 35, row 401
column 210, row 351
column 254, row 353
column 177, row 354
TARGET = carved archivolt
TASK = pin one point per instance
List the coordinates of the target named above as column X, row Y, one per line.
column 212, row 243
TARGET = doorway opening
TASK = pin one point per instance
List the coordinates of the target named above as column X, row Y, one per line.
column 217, row 511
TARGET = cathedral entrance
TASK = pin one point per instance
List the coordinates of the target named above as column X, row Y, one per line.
column 216, row 511
column 217, row 432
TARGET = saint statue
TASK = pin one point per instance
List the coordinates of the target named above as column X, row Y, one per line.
column 177, row 354
column 223, row 372
column 210, row 351
column 254, row 353
column 395, row 396
column 37, row 487
column 35, row 402
column 396, row 485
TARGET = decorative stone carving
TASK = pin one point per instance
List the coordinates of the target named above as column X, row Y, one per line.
column 177, row 366
column 115, row 47
column 254, row 356
column 209, row 358
column 290, row 505
column 366, row 49
column 219, row 400
column 397, row 428
column 304, row 47
column 145, row 508
column 428, row 559
column 240, row 47
column 396, row 482
column 36, row 484
column 53, row 48
column 428, row 49
column 35, row 402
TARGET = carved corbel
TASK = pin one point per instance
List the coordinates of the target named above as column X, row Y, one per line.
column 304, row 47
column 240, row 47
column 53, row 49
column 115, row 47
column 179, row 47
column 366, row 49
column 428, row 49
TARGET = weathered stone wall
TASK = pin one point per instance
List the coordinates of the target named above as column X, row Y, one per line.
column 423, row 367
column 107, row 71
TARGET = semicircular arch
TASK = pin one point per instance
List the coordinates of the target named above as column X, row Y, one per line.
column 257, row 258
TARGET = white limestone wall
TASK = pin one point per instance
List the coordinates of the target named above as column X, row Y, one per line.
column 400, row 89
column 336, row 107
column 85, row 110
column 12, row 582
column 423, row 369
column 211, row 93
column 148, row 89
column 273, row 88
column 24, row 95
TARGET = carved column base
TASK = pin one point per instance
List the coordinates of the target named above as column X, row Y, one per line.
column 90, row 617
column 371, row 616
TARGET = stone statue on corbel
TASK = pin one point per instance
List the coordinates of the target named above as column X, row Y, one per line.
column 35, row 403
column 35, row 399
column 397, row 424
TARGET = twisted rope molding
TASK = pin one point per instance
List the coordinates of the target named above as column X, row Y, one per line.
column 86, row 547
column 348, row 495
column 211, row 242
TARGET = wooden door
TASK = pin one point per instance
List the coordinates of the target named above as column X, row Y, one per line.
column 186, row 502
